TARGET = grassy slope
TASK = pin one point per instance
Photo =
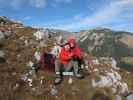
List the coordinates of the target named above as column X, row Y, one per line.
column 10, row 75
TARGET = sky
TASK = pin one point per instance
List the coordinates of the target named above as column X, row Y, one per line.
column 71, row 15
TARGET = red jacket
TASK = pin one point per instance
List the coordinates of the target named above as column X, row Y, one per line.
column 77, row 52
column 64, row 56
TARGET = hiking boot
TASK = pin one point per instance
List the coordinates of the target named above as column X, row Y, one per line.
column 57, row 81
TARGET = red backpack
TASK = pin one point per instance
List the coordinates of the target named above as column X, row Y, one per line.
column 47, row 61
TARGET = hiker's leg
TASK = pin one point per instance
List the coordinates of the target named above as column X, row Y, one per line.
column 59, row 74
column 81, row 64
column 57, row 66
column 68, row 67
column 76, row 69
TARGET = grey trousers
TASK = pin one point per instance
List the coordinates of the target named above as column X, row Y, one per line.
column 66, row 67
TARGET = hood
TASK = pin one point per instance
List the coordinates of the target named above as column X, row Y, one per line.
column 72, row 40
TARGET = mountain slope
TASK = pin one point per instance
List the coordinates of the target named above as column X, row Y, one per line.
column 19, row 49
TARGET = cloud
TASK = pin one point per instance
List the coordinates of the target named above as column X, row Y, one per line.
column 105, row 15
column 16, row 4
column 27, row 18
column 108, row 12
column 68, row 1
column 61, row 1
column 38, row 3
column 57, row 3
column 123, row 27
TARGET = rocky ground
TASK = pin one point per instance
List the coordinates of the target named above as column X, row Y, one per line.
column 18, row 81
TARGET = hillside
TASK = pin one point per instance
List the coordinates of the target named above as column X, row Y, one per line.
column 106, row 38
column 17, row 82
column 105, row 42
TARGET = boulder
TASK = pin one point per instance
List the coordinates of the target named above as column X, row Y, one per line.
column 7, row 33
column 41, row 35
column 130, row 97
column 112, row 80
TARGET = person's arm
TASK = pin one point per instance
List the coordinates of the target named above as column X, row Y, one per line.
column 78, row 53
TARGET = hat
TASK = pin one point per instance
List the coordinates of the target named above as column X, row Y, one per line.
column 72, row 40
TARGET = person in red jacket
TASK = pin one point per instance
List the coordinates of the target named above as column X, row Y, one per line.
column 69, row 58
column 74, row 48
column 65, row 57
column 77, row 56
